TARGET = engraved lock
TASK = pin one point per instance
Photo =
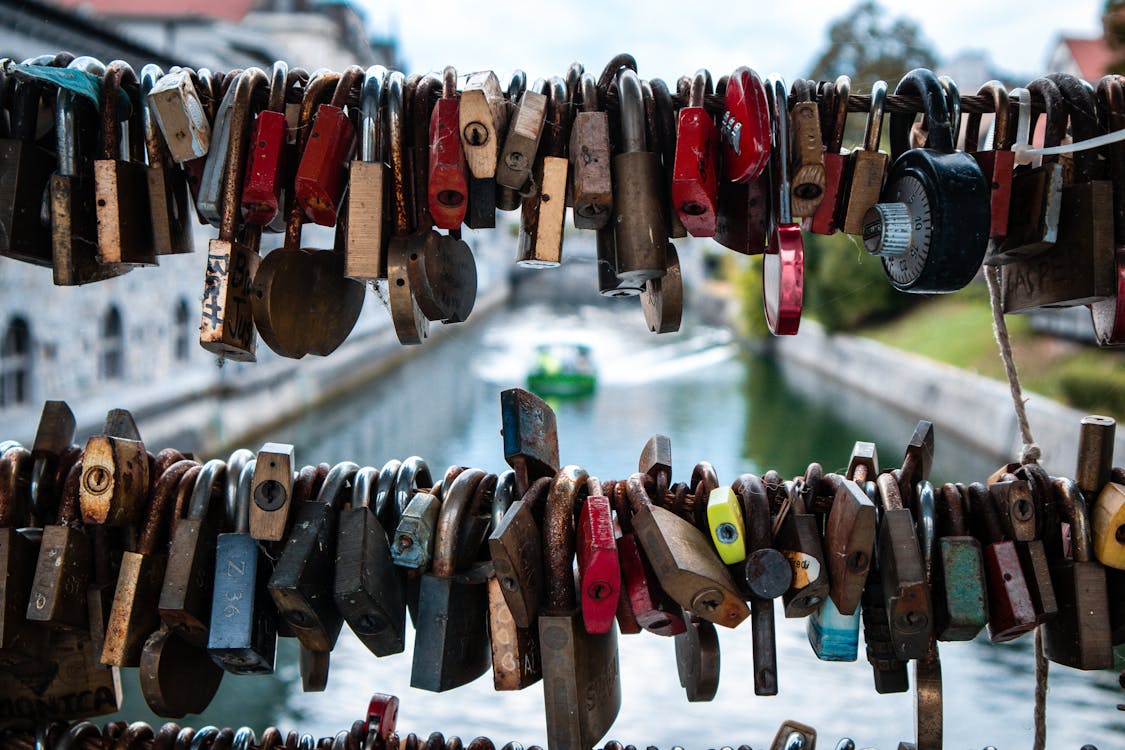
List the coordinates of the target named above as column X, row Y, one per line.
column 368, row 590
column 272, row 492
column 1080, row 635
column 414, row 534
column 115, row 473
column 451, row 646
column 513, row 167
column 120, row 181
column 599, row 567
column 1081, row 268
column 905, row 592
column 590, row 156
column 74, row 227
column 1010, row 609
column 243, row 634
column 544, row 210
column 322, row 171
column 783, row 267
column 834, row 101
column 745, row 127
column 134, row 614
column 1036, row 193
column 27, row 170
column 640, row 234
column 807, row 156
column 959, row 591
column 167, row 183
column 448, row 174
column 262, row 192
column 180, row 114
column 581, row 677
column 922, row 248
column 866, row 167
column 695, row 185
column 301, row 583
column 227, row 325
column 997, row 163
column 185, row 596
column 365, row 258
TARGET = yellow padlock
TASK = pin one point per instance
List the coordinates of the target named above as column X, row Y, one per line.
column 724, row 517
column 1109, row 526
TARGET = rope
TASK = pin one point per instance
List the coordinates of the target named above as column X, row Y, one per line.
column 1029, row 454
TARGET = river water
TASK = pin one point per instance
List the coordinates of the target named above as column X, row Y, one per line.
column 742, row 413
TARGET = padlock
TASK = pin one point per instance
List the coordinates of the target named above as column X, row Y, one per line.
column 115, row 473
column 368, row 589
column 581, row 680
column 544, row 210
column 176, row 676
column 1010, row 609
column 745, row 127
column 1080, row 268
column 120, row 181
column 590, row 156
column 322, row 172
column 834, row 113
column 22, row 644
column 599, row 567
column 767, row 576
column 515, row 650
column 1080, row 635
column 866, row 167
column 783, row 267
column 180, row 114
column 997, row 163
column 368, row 204
column 62, row 572
column 792, row 735
column 662, row 299
column 1096, row 436
column 644, row 603
column 227, row 325
column 638, row 217
column 300, row 299
column 1033, row 552
column 807, row 155
column 134, row 614
column 928, row 715
column 923, row 251
column 1017, row 507
column 849, row 540
column 167, row 183
column 960, row 598
column 1108, row 526
column 724, row 519
column 25, row 176
column 482, row 123
column 209, row 195
column 447, row 181
column 918, row 459
column 272, row 492
column 450, row 646
column 185, row 597
column 1108, row 315
column 695, row 184
column 797, row 534
column 525, row 128
column 243, row 633
column 266, row 166
column 1036, row 193
column 418, row 514
column 531, row 443
column 697, row 659
column 905, row 592
column 52, row 455
column 74, row 226
column 834, row 636
column 514, row 547
column 301, row 583
column 660, row 135
column 888, row 670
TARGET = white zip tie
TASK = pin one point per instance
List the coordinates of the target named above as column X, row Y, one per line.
column 1068, row 148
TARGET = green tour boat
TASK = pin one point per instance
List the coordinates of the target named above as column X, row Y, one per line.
column 563, row 370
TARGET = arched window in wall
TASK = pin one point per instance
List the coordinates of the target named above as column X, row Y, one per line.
column 183, row 332
column 113, row 345
column 15, row 363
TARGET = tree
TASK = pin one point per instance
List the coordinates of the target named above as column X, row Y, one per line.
column 1113, row 25
column 868, row 44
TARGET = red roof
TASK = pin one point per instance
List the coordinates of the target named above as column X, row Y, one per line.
column 1092, row 56
column 231, row 10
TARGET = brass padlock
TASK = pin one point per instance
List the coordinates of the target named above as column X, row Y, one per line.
column 272, row 492
column 544, row 209
column 167, row 183
column 866, row 167
column 590, row 161
column 115, row 473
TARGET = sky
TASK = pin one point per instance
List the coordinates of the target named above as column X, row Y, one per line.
column 674, row 38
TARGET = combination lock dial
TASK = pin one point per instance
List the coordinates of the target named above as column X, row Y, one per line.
column 931, row 225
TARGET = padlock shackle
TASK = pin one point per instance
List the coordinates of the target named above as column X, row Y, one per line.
column 589, row 90
column 953, row 101
column 1069, row 499
column 1081, row 103
column 350, row 80
column 612, row 70
column 503, row 496
column 244, row 738
column 632, row 111
column 336, row 484
column 925, row 518
column 236, row 463
column 555, row 130
column 454, row 510
column 160, row 509
column 241, row 118
column 840, row 91
column 371, row 140
column 559, row 539
column 119, row 75
column 412, row 474
column 755, row 511
column 15, row 468
column 701, row 87
column 364, row 485
column 240, row 523
column 396, row 152
column 70, row 510
column 210, row 478
column 1054, row 109
column 383, row 501
column 594, row 487
column 889, row 493
column 421, row 111
column 155, row 148
column 573, row 77
column 925, row 85
column 279, row 85
column 66, row 118
column 449, row 82
column 953, row 511
column 873, row 130
column 516, row 86
column 183, row 493
column 777, row 97
column 321, row 89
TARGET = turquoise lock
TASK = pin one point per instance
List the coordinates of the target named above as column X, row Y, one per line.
column 833, row 636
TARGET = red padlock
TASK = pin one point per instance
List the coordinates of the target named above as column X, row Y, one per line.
column 783, row 267
column 651, row 606
column 695, row 184
column 745, row 129
column 382, row 716
column 448, row 177
column 996, row 163
column 322, row 174
column 599, row 570
column 834, row 103
column 261, row 194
